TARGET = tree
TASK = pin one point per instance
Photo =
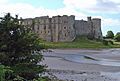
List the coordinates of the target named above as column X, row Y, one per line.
column 20, row 48
column 117, row 37
column 110, row 34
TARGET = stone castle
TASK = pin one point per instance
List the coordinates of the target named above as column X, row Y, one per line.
column 64, row 28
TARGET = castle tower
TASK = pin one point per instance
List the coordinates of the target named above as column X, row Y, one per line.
column 67, row 31
column 55, row 25
column 42, row 27
column 90, row 34
column 97, row 28
column 89, row 18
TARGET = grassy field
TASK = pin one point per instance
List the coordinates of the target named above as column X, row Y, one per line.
column 80, row 43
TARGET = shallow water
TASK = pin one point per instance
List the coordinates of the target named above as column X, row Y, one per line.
column 91, row 60
column 80, row 56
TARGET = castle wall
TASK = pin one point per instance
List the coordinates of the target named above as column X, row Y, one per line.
column 64, row 28
column 90, row 28
column 81, row 28
column 42, row 27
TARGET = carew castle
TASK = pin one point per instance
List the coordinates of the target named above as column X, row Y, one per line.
column 64, row 28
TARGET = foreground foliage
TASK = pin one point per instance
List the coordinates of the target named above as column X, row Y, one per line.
column 19, row 49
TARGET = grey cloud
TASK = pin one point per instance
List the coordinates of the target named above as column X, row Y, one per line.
column 103, row 5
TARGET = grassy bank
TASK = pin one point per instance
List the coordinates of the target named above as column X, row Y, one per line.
column 80, row 43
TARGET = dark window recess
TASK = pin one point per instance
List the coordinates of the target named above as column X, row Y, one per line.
column 69, row 32
column 65, row 22
column 64, row 27
column 44, row 27
column 38, row 28
column 48, row 32
column 65, row 35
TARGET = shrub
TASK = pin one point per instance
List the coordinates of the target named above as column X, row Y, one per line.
column 105, row 42
column 110, row 34
column 117, row 37
column 110, row 42
column 20, row 48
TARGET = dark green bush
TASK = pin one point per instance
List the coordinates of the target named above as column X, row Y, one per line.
column 117, row 37
column 110, row 34
column 19, row 49
column 110, row 42
column 105, row 42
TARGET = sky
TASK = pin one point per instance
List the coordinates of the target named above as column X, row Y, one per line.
column 107, row 10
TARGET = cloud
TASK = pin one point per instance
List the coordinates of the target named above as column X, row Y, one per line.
column 82, row 4
column 110, row 24
column 95, row 6
column 107, row 6
column 27, row 10
column 3, row 1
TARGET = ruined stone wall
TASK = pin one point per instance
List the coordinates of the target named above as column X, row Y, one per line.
column 55, row 24
column 27, row 22
column 64, row 28
column 81, row 27
column 90, row 28
column 42, row 27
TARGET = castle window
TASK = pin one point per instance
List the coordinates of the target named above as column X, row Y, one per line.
column 65, row 22
column 44, row 27
column 48, row 31
column 38, row 28
column 65, row 35
column 64, row 27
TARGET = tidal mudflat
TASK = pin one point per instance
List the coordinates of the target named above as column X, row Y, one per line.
column 84, row 64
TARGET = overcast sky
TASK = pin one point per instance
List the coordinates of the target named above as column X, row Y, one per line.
column 107, row 10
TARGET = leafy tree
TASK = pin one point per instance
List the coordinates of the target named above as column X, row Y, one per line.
column 117, row 36
column 110, row 34
column 20, row 48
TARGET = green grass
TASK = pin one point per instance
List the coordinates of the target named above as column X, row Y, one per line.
column 80, row 43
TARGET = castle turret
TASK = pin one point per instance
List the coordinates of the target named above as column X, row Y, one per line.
column 90, row 34
column 89, row 18
column 97, row 28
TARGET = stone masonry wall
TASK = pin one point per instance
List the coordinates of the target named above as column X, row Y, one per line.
column 64, row 28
